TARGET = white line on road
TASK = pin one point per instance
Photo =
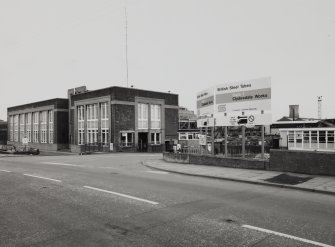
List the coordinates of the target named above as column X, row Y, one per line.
column 123, row 195
column 157, row 172
column 59, row 164
column 286, row 236
column 34, row 176
column 4, row 171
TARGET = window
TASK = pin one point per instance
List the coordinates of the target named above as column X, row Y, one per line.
column 155, row 138
column 81, row 126
column 291, row 137
column 16, row 128
column 331, row 137
column 35, row 126
column 22, row 122
column 155, row 111
column 104, row 124
column 183, row 125
column 43, row 126
column 142, row 116
column 182, row 136
column 51, row 126
column 92, row 123
column 10, row 127
column 28, row 126
column 314, row 135
column 127, row 139
column 193, row 124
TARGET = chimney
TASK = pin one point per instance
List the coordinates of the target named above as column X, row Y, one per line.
column 294, row 112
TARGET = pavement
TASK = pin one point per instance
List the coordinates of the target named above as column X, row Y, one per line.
column 320, row 184
column 113, row 200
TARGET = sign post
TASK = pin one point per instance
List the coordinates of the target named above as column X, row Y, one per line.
column 262, row 127
column 243, row 141
column 226, row 141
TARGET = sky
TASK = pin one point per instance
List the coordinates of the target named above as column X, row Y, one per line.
column 181, row 46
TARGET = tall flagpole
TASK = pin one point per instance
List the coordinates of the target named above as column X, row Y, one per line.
column 126, row 29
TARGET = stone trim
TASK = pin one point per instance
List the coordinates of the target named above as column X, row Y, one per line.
column 35, row 109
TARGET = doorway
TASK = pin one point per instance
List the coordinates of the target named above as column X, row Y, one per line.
column 143, row 142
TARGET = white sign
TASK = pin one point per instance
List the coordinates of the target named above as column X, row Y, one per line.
column 234, row 104
column 248, row 120
column 205, row 108
column 111, row 147
column 25, row 141
column 202, row 139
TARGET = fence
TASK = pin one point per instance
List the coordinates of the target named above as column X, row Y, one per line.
column 251, row 151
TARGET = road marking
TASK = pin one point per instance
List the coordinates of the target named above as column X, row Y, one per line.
column 34, row 176
column 157, row 172
column 286, row 236
column 4, row 171
column 58, row 164
column 122, row 195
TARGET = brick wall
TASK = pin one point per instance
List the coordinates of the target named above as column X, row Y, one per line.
column 62, row 128
column 124, row 119
column 171, row 123
column 309, row 162
column 215, row 161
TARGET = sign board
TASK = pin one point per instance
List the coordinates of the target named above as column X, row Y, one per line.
column 248, row 120
column 235, row 104
column 111, row 147
column 202, row 140
column 205, row 108
column 25, row 141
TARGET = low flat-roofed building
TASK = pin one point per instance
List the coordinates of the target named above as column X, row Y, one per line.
column 121, row 119
column 43, row 124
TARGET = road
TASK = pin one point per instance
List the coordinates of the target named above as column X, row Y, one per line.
column 113, row 200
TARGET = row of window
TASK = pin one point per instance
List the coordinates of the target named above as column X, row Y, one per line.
column 127, row 139
column 311, row 136
column 188, row 136
column 37, row 127
column 92, row 121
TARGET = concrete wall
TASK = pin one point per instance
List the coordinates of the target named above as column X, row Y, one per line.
column 216, row 161
column 309, row 162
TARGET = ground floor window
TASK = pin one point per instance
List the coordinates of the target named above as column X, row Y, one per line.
column 81, row 137
column 104, row 136
column 29, row 135
column 92, row 136
column 35, row 136
column 155, row 138
column 127, row 139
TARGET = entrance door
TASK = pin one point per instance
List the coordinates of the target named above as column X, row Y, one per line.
column 143, row 142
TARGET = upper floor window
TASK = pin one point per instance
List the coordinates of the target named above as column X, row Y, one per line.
column 28, row 126
column 35, row 126
column 51, row 125
column 16, row 128
column 143, row 116
column 155, row 111
column 43, row 126
column 81, row 126
column 92, row 123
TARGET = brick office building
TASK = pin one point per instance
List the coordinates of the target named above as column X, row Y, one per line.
column 121, row 119
column 44, row 124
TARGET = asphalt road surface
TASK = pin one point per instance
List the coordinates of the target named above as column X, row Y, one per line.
column 113, row 200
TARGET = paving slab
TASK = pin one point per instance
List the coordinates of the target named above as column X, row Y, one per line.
column 320, row 184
